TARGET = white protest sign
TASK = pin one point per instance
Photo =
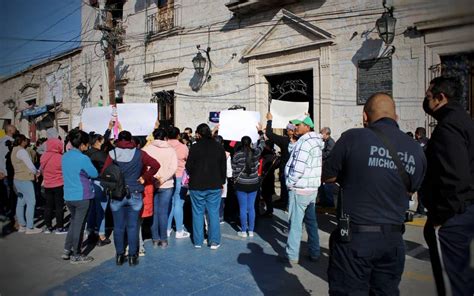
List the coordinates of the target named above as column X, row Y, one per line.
column 96, row 119
column 234, row 124
column 75, row 121
column 284, row 111
column 139, row 119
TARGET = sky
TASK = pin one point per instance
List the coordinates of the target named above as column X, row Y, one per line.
column 24, row 20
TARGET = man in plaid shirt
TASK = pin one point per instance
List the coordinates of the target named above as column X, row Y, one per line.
column 303, row 178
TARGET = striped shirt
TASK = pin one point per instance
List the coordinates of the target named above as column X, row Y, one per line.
column 243, row 180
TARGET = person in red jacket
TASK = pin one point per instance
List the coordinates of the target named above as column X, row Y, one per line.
column 53, row 184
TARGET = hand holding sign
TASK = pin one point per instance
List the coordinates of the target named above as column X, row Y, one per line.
column 282, row 112
column 234, row 124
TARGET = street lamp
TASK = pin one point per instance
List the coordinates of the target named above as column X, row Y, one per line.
column 199, row 62
column 82, row 93
column 386, row 26
column 10, row 103
column 203, row 66
column 81, row 90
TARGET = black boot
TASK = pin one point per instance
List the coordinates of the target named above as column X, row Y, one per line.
column 133, row 260
column 119, row 259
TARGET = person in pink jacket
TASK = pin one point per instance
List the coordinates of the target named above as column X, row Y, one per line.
column 160, row 150
column 53, row 184
column 177, row 200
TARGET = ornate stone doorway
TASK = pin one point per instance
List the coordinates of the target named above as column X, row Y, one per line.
column 292, row 87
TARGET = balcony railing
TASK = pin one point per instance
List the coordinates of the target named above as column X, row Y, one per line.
column 166, row 19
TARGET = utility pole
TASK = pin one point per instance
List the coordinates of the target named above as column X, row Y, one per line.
column 110, row 56
column 55, row 114
column 109, row 50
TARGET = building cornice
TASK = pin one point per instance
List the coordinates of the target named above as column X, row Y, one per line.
column 41, row 64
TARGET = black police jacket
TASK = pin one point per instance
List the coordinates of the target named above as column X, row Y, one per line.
column 449, row 182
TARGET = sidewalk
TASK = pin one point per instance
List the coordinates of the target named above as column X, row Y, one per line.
column 31, row 265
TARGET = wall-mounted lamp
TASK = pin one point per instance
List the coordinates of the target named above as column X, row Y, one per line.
column 386, row 25
column 81, row 90
column 83, row 94
column 10, row 103
column 199, row 64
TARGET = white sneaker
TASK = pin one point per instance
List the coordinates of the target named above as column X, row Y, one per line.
column 33, row 230
column 22, row 229
column 182, row 234
column 168, row 232
column 142, row 252
column 242, row 234
column 215, row 246
column 250, row 233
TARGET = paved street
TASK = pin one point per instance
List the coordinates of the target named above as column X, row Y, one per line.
column 31, row 265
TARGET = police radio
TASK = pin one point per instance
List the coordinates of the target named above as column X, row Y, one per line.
column 344, row 221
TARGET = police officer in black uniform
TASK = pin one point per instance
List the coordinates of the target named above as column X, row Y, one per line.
column 375, row 199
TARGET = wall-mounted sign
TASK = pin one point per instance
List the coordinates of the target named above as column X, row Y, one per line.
column 374, row 75
column 214, row 117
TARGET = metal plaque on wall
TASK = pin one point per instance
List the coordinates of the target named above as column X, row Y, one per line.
column 374, row 75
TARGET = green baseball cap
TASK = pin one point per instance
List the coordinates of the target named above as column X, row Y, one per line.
column 304, row 119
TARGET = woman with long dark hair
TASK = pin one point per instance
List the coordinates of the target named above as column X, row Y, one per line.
column 247, row 182
column 25, row 172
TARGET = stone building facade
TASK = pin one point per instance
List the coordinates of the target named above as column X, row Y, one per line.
column 43, row 95
column 260, row 50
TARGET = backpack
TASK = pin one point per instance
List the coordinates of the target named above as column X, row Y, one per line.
column 113, row 181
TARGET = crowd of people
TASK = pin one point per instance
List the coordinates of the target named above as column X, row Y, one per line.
column 139, row 178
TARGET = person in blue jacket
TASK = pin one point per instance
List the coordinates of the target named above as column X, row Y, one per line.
column 78, row 191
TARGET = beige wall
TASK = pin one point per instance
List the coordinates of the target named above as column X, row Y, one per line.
column 14, row 88
column 334, row 65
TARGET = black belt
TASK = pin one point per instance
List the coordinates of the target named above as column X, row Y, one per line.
column 378, row 228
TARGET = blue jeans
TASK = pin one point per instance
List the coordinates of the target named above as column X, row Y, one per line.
column 311, row 224
column 296, row 210
column 126, row 214
column 177, row 202
column 209, row 200
column 161, row 208
column 96, row 216
column 26, row 198
column 247, row 206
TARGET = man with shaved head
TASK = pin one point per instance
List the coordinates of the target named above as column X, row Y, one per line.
column 367, row 254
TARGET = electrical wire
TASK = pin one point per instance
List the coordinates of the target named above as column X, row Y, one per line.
column 44, row 31
column 190, row 31
column 44, row 40
column 40, row 57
